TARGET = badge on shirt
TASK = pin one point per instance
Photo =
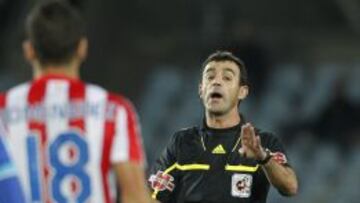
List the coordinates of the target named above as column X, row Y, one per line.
column 162, row 181
column 241, row 185
column 279, row 157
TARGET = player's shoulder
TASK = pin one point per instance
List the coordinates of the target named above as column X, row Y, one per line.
column 19, row 87
column 120, row 101
column 116, row 98
column 95, row 92
column 94, row 87
column 15, row 91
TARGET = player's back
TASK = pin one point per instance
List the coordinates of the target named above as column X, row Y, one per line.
column 65, row 134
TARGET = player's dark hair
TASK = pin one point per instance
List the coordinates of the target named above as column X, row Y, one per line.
column 55, row 30
column 228, row 56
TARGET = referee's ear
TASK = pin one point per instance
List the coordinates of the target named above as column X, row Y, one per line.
column 243, row 92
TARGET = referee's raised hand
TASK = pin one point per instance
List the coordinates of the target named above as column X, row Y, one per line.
column 251, row 143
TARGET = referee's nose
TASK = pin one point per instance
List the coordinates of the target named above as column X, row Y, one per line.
column 217, row 81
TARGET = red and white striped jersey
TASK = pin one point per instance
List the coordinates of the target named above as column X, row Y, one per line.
column 65, row 135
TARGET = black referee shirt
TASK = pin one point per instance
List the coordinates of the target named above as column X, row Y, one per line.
column 201, row 164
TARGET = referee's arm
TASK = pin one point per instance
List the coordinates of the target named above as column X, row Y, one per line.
column 279, row 174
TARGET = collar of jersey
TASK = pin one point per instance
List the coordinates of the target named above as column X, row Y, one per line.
column 204, row 127
column 55, row 76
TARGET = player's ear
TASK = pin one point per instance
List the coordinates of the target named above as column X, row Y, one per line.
column 28, row 51
column 243, row 92
column 82, row 48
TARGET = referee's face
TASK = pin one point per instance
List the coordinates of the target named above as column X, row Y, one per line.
column 220, row 88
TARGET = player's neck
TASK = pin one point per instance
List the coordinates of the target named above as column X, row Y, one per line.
column 69, row 71
column 228, row 120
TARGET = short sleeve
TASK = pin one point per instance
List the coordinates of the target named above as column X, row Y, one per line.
column 127, row 142
column 275, row 145
column 164, row 175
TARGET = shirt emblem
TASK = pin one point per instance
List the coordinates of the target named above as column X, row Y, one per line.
column 219, row 150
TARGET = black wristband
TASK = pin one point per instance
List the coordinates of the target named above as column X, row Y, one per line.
column 266, row 159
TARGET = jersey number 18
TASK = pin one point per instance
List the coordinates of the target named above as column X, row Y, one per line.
column 61, row 169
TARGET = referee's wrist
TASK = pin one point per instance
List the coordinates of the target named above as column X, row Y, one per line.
column 266, row 159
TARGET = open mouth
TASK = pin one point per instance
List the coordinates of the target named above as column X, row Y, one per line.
column 216, row 95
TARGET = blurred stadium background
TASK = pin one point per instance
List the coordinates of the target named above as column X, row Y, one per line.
column 303, row 59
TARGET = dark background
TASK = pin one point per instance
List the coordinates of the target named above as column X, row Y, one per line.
column 302, row 57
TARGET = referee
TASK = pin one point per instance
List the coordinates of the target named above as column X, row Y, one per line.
column 224, row 159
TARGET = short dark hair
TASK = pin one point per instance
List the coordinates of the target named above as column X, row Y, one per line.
column 228, row 56
column 55, row 29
